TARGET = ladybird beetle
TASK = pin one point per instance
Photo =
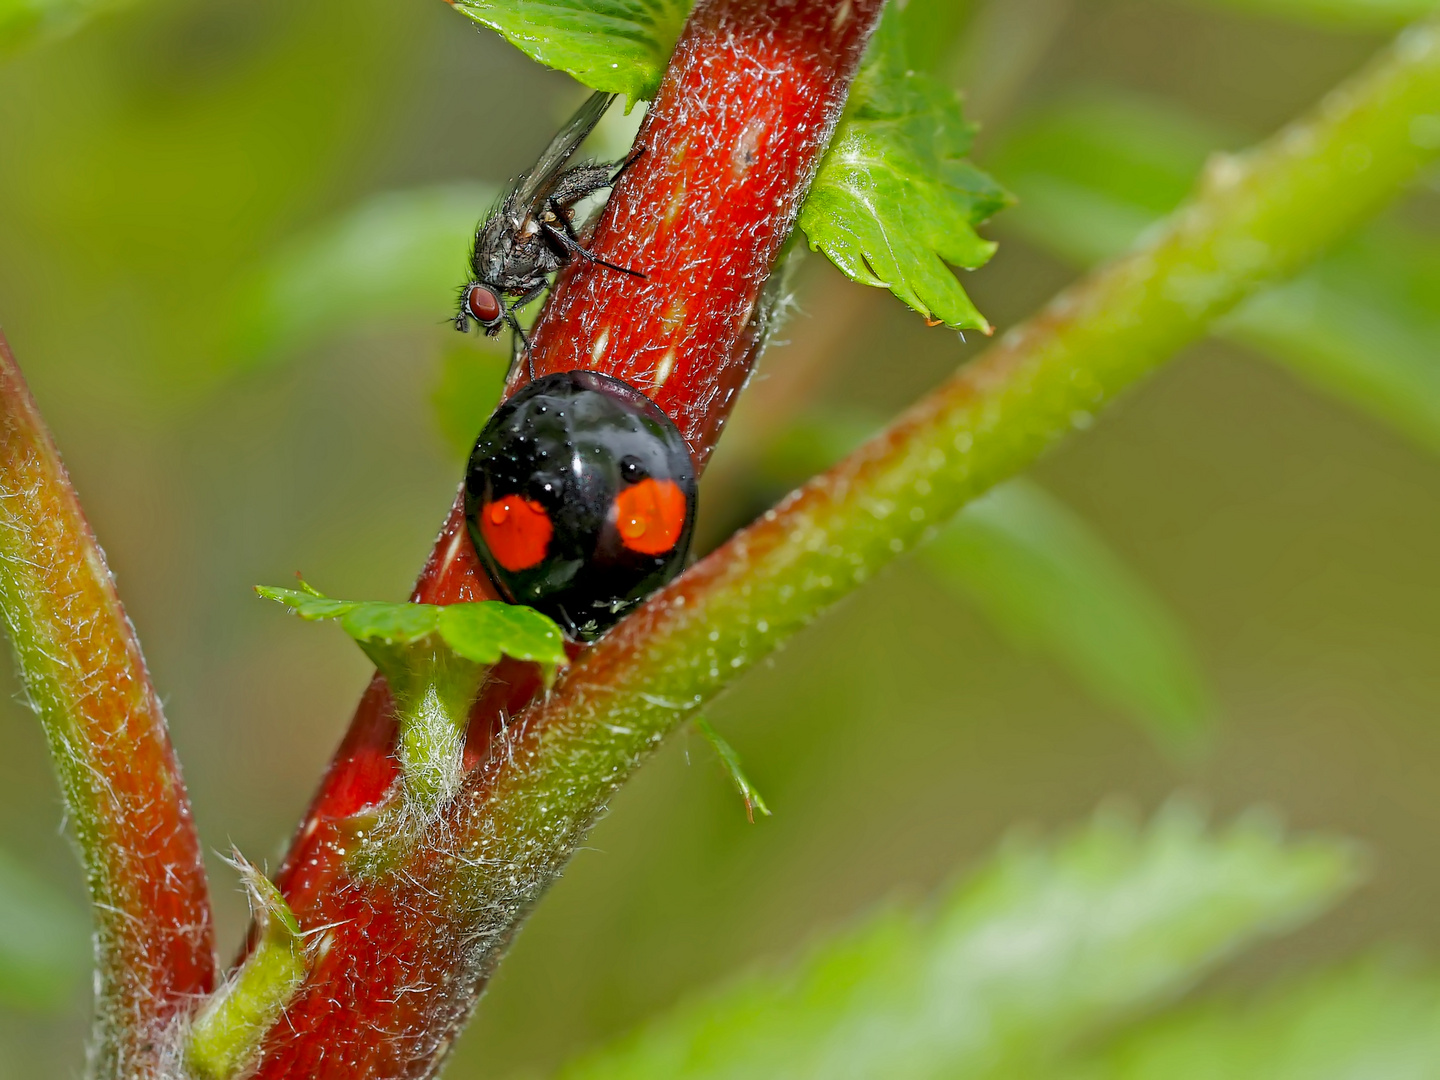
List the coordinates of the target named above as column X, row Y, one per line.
column 580, row 499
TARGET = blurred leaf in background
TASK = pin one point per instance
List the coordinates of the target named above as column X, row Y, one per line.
column 1050, row 584
column 396, row 256
column 1046, row 945
column 1339, row 14
column 151, row 189
column 25, row 21
column 466, row 393
column 933, row 29
column 44, row 942
column 1377, row 1020
column 1363, row 325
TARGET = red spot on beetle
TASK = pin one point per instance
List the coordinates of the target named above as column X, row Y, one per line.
column 650, row 516
column 517, row 531
column 484, row 305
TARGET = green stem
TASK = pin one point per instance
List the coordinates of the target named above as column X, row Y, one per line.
column 87, row 682
column 224, row 1039
column 433, row 689
column 1255, row 218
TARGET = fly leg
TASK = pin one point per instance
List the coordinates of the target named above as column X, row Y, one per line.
column 563, row 233
column 519, row 343
column 630, row 159
column 572, row 186
column 519, row 349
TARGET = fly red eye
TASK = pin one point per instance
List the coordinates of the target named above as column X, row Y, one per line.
column 517, row 530
column 484, row 305
column 650, row 516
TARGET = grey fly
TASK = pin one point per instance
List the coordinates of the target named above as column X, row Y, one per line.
column 531, row 233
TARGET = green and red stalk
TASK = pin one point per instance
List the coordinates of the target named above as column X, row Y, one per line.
column 399, row 943
column 441, row 920
column 732, row 142
column 406, row 953
column 86, row 680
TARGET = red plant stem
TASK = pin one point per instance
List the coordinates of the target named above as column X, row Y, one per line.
column 730, row 147
column 732, row 142
column 87, row 680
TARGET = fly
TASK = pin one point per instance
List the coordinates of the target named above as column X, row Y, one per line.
column 531, row 234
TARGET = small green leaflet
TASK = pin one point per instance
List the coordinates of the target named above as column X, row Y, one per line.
column 224, row 1038
column 619, row 46
column 895, row 198
column 479, row 632
column 731, row 760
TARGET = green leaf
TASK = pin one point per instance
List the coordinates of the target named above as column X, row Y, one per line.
column 1374, row 1020
column 1046, row 945
column 434, row 658
column 390, row 624
column 1340, row 14
column 399, row 256
column 1362, row 325
column 44, row 941
column 619, row 46
column 731, row 761
column 307, row 603
column 480, row 632
column 1039, row 573
column 895, row 198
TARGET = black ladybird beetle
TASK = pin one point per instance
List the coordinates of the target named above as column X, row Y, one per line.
column 580, row 498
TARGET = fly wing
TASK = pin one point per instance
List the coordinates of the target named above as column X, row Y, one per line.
column 535, row 186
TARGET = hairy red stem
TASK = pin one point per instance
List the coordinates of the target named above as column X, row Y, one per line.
column 86, row 678
column 731, row 142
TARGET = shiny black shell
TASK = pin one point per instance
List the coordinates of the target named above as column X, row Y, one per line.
column 572, row 442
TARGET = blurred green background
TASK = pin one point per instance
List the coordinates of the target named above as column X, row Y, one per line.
column 229, row 235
